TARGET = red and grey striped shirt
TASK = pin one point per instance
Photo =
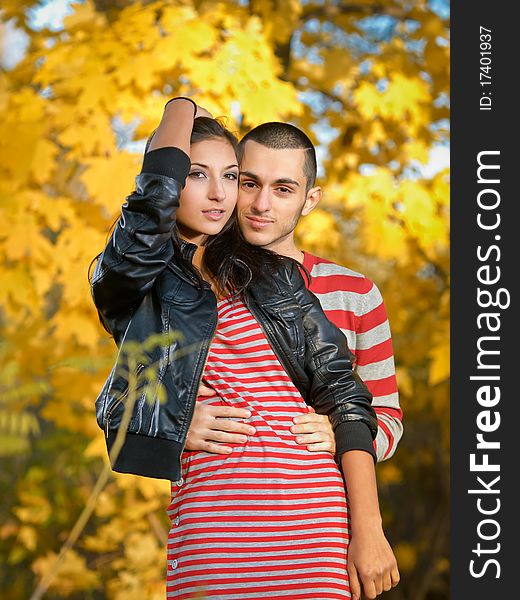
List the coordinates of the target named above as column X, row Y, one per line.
column 355, row 305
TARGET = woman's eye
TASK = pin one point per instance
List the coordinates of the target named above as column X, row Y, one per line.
column 197, row 174
column 231, row 176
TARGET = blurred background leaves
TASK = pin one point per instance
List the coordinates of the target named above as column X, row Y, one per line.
column 369, row 81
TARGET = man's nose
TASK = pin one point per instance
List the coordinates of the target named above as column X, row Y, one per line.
column 262, row 201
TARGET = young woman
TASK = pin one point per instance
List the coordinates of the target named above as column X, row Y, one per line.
column 269, row 517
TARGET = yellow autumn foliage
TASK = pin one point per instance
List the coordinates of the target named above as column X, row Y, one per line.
column 74, row 108
column 73, row 575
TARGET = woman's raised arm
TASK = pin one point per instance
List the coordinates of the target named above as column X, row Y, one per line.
column 141, row 245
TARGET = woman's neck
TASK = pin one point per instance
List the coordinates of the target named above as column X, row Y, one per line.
column 197, row 263
column 197, row 257
column 191, row 236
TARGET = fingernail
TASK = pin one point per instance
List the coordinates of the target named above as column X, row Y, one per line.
column 243, row 438
column 299, row 439
column 296, row 419
column 252, row 430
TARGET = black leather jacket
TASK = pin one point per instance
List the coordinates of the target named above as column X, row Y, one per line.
column 140, row 290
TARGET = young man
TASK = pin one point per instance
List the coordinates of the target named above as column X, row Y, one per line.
column 277, row 187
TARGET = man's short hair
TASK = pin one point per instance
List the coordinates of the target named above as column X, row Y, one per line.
column 282, row 136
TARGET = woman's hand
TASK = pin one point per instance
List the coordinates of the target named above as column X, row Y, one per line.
column 371, row 562
column 176, row 125
column 202, row 112
column 315, row 432
column 199, row 110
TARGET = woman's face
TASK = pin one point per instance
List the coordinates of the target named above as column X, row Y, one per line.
column 210, row 194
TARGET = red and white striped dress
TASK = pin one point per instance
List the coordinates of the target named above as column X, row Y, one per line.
column 270, row 518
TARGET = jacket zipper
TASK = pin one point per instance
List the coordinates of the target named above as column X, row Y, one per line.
column 205, row 349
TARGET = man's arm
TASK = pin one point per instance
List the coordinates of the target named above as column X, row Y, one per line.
column 371, row 561
column 375, row 365
column 354, row 304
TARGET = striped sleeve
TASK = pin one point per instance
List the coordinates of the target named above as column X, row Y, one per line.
column 355, row 305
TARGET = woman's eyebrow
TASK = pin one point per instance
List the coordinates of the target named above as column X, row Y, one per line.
column 207, row 166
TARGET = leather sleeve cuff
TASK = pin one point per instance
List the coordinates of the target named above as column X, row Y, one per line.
column 170, row 162
column 353, row 435
column 146, row 456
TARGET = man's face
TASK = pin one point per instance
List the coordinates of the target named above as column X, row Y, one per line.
column 272, row 195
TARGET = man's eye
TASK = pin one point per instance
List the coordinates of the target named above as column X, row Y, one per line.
column 284, row 190
column 248, row 184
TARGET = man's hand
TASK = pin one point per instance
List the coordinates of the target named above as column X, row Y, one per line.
column 212, row 426
column 371, row 562
column 315, row 431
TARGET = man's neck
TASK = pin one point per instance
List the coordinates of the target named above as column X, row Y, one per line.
column 287, row 247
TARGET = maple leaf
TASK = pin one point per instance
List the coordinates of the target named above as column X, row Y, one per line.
column 108, row 182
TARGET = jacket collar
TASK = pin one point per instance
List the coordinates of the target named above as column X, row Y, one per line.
column 187, row 250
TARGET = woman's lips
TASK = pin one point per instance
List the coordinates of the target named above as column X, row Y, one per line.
column 214, row 215
column 258, row 223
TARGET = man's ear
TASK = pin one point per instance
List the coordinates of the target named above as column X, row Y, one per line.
column 312, row 199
